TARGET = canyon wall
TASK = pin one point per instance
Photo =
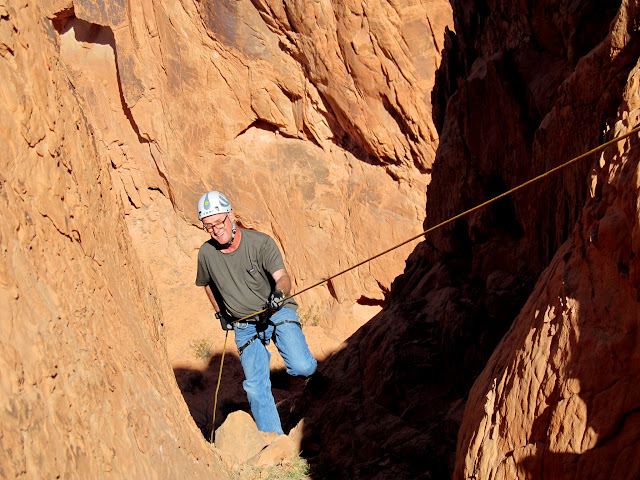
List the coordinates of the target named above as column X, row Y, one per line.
column 86, row 388
column 559, row 398
column 314, row 119
column 521, row 89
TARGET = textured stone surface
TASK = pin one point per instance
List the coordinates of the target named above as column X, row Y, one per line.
column 315, row 119
column 239, row 437
column 250, row 453
column 137, row 108
column 559, row 397
column 86, row 389
column 319, row 132
column 280, row 451
column 374, row 64
column 190, row 96
column 521, row 90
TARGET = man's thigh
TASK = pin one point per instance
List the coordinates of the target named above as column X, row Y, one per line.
column 292, row 344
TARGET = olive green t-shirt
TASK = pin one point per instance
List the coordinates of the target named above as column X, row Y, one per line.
column 243, row 278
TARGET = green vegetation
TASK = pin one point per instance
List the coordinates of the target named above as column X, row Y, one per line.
column 202, row 349
column 309, row 317
column 295, row 469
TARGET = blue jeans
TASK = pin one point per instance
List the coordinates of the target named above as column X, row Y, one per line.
column 291, row 344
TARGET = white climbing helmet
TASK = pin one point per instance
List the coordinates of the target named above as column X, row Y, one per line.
column 211, row 203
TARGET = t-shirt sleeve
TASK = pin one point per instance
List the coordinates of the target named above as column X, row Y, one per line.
column 202, row 278
column 271, row 256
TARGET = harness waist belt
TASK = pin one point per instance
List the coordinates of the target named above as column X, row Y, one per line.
column 256, row 336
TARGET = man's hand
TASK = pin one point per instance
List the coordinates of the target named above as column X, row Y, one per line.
column 275, row 301
column 223, row 321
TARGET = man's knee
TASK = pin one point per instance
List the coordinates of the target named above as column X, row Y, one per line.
column 304, row 367
column 311, row 369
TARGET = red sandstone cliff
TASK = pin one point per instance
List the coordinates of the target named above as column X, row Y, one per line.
column 522, row 89
column 134, row 108
column 314, row 119
column 86, row 389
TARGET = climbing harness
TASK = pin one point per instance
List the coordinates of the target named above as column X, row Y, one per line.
column 597, row 149
column 265, row 341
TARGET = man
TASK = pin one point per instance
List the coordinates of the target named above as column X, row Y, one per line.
column 242, row 272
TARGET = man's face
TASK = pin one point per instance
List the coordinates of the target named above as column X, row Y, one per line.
column 219, row 227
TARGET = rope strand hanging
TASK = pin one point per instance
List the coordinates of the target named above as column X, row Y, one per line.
column 597, row 149
column 215, row 401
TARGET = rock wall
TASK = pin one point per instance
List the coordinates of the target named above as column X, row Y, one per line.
column 524, row 102
column 86, row 389
column 313, row 118
column 559, row 396
column 522, row 88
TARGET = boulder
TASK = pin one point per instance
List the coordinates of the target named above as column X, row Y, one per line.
column 239, row 438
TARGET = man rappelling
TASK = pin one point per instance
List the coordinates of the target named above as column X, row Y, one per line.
column 242, row 272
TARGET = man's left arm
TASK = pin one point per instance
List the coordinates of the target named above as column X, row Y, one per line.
column 283, row 281
column 280, row 291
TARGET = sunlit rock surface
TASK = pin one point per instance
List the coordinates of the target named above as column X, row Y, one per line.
column 86, row 388
column 316, row 119
column 116, row 117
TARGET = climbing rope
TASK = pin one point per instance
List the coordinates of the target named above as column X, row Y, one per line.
column 215, row 401
column 597, row 149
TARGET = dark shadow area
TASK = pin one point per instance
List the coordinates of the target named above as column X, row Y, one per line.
column 353, row 145
column 264, row 126
column 371, row 412
column 198, row 388
column 371, row 302
column 397, row 391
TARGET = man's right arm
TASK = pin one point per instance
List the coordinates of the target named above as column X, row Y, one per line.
column 224, row 321
column 212, row 299
column 204, row 279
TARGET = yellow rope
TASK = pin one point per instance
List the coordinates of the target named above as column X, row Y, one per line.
column 441, row 224
column 477, row 207
column 215, row 402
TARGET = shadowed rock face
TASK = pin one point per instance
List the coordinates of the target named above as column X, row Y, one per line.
column 525, row 90
column 559, row 397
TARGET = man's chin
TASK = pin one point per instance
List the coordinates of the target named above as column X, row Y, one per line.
column 219, row 240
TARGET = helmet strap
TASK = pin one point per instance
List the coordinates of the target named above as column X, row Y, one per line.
column 233, row 233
